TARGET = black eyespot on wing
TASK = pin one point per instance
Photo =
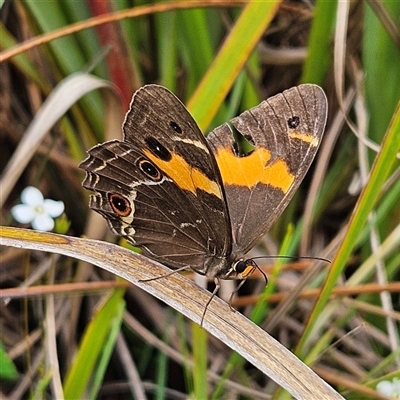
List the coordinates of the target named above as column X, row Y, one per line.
column 175, row 127
column 150, row 170
column 158, row 149
column 293, row 122
column 120, row 204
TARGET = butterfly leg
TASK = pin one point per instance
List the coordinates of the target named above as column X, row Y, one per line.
column 166, row 275
column 215, row 291
column 233, row 293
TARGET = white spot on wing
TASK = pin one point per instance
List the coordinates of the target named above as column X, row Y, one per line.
column 196, row 143
column 149, row 182
column 187, row 224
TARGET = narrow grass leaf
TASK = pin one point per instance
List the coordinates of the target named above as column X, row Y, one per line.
column 319, row 56
column 381, row 67
column 108, row 348
column 92, row 346
column 162, row 367
column 184, row 349
column 42, row 387
column 8, row 370
column 383, row 164
column 167, row 47
column 195, row 42
column 231, row 58
column 49, row 16
column 200, row 359
column 21, row 61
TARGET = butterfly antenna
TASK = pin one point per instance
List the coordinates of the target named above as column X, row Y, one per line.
column 262, row 273
column 296, row 258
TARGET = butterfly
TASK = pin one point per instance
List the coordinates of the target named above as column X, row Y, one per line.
column 191, row 202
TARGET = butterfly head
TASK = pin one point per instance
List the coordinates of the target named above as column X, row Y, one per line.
column 240, row 269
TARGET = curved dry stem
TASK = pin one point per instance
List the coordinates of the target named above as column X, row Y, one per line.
column 235, row 330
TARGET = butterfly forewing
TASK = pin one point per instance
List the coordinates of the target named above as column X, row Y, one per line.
column 286, row 131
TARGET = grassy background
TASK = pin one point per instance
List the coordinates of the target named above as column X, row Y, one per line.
column 87, row 342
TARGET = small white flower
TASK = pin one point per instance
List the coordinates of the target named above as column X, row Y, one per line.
column 36, row 210
column 390, row 389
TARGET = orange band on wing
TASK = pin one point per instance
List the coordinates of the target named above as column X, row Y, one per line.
column 186, row 177
column 254, row 168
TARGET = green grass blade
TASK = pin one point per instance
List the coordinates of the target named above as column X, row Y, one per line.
column 200, row 361
column 50, row 16
column 21, row 61
column 8, row 371
column 42, row 387
column 162, row 368
column 67, row 52
column 381, row 68
column 186, row 353
column 383, row 164
column 108, row 349
column 195, row 42
column 230, row 60
column 92, row 346
column 167, row 49
column 319, row 56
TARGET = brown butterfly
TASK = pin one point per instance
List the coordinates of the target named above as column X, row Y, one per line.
column 191, row 202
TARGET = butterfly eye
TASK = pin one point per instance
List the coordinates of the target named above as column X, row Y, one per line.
column 240, row 266
column 150, row 170
column 119, row 204
column 175, row 127
column 293, row 122
column 158, row 149
column 244, row 268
